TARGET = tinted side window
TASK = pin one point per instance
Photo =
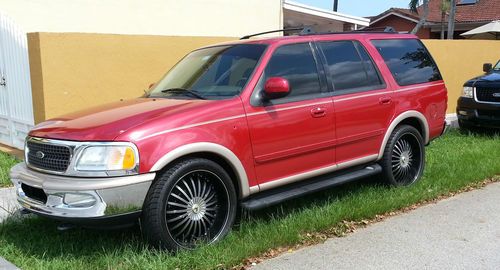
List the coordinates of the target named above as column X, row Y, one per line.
column 408, row 60
column 296, row 64
column 350, row 66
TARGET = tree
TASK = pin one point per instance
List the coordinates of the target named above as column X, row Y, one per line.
column 451, row 19
column 423, row 18
column 445, row 7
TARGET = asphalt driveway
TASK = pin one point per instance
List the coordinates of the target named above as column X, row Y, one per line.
column 462, row 232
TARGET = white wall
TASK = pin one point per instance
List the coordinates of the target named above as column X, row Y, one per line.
column 147, row 17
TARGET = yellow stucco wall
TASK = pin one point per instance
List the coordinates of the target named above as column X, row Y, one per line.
column 461, row 60
column 72, row 71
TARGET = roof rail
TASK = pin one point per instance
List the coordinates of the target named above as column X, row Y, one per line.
column 385, row 29
column 303, row 31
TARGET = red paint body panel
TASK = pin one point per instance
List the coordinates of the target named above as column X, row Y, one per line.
column 271, row 142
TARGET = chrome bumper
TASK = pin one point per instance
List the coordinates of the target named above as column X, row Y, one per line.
column 99, row 197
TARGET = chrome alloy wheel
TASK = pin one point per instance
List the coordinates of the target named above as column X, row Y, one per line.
column 196, row 208
column 406, row 159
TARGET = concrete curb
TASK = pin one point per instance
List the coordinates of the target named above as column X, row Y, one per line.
column 19, row 154
column 8, row 203
column 452, row 120
column 5, row 265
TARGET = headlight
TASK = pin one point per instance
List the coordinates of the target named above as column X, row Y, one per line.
column 468, row 92
column 108, row 158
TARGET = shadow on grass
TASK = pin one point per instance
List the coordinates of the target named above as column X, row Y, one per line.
column 318, row 199
column 38, row 237
column 481, row 132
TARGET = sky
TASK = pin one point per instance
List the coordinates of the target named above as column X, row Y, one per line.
column 361, row 8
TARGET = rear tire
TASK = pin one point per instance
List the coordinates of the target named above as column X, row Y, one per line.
column 404, row 157
column 191, row 203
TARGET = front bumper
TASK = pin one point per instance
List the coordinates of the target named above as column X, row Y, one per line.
column 473, row 113
column 101, row 198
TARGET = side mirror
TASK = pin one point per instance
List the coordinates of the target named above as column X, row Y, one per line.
column 151, row 85
column 276, row 87
column 487, row 67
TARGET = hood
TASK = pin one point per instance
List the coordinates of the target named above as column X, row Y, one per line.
column 493, row 76
column 106, row 122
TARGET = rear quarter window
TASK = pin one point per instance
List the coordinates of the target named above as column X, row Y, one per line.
column 408, row 60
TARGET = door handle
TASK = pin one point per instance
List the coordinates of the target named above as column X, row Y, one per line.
column 385, row 100
column 318, row 112
column 2, row 81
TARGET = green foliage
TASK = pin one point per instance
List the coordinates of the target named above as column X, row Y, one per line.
column 6, row 162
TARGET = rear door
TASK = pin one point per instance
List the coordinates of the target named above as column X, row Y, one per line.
column 292, row 135
column 362, row 101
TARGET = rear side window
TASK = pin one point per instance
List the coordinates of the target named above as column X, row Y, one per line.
column 408, row 60
column 296, row 64
column 349, row 66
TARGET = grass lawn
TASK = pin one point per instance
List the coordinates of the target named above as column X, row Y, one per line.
column 6, row 162
column 453, row 162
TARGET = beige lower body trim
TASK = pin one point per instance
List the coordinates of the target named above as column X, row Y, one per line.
column 405, row 115
column 218, row 149
column 317, row 172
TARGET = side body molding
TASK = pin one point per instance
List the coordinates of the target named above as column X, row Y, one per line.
column 408, row 114
column 218, row 149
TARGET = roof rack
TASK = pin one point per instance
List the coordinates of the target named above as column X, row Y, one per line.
column 303, row 31
column 385, row 29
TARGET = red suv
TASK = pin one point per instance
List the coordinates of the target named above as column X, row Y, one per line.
column 242, row 124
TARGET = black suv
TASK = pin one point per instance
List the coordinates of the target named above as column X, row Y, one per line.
column 479, row 105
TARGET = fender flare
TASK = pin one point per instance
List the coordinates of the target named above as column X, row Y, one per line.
column 217, row 149
column 405, row 115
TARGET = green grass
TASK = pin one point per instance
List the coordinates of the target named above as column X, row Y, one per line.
column 6, row 162
column 454, row 161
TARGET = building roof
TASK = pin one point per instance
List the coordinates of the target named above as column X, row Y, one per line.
column 481, row 11
column 323, row 14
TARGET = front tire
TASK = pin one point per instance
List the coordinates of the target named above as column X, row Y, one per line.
column 404, row 157
column 191, row 203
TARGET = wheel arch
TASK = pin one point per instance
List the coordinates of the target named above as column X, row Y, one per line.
column 412, row 118
column 215, row 152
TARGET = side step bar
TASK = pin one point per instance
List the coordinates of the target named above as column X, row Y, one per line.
column 281, row 194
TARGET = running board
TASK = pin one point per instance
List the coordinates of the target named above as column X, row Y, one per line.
column 274, row 196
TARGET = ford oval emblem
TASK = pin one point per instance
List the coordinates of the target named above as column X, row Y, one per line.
column 496, row 94
column 40, row 154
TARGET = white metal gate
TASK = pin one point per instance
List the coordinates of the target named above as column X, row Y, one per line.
column 16, row 105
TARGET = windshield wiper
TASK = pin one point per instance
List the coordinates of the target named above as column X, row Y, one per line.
column 184, row 90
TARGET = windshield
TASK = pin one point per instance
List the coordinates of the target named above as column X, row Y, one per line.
column 212, row 73
column 497, row 66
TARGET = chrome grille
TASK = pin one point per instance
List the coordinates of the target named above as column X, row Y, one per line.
column 488, row 94
column 48, row 157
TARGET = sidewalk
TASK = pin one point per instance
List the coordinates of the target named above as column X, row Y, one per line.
column 461, row 232
column 8, row 205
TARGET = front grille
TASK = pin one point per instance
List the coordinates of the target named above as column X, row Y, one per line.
column 488, row 94
column 34, row 193
column 48, row 157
